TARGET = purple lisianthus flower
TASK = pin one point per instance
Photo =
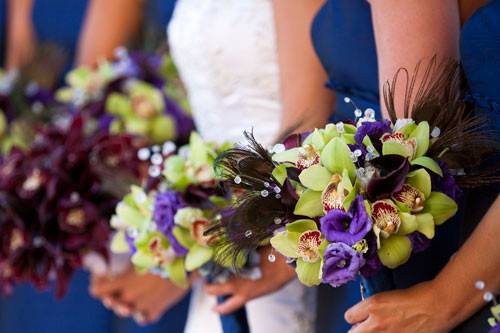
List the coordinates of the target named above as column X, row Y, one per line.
column 347, row 227
column 341, row 264
column 374, row 130
column 166, row 206
column 495, row 329
column 419, row 242
column 445, row 184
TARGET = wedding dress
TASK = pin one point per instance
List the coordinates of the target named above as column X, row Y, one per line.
column 226, row 53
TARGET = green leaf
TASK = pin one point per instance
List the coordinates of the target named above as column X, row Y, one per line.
column 280, row 173
column 348, row 138
column 330, row 132
column 426, row 225
column 309, row 273
column 394, row 251
column 119, row 104
column 421, row 180
column 163, row 129
column 289, row 155
column 396, row 148
column 428, row 163
column 183, row 236
column 119, row 243
column 309, row 204
column 316, row 177
column 421, row 134
column 131, row 216
column 408, row 129
column 177, row 273
column 316, row 139
column 336, row 157
column 441, row 206
column 198, row 153
column 143, row 260
column 198, row 256
column 285, row 244
column 301, row 226
column 408, row 224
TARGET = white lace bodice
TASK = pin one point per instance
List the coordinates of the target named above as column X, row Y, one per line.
column 226, row 53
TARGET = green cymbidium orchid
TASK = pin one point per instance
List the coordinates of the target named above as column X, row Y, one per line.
column 415, row 208
column 303, row 242
column 133, row 213
column 141, row 111
column 85, row 83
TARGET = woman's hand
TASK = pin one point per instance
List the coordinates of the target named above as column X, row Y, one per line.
column 419, row 309
column 274, row 276
column 146, row 297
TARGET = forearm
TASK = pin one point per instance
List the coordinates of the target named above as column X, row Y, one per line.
column 306, row 103
column 108, row 25
column 478, row 259
column 20, row 35
column 410, row 31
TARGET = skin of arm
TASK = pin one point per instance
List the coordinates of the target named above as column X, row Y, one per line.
column 443, row 303
column 407, row 32
column 410, row 31
column 108, row 25
column 306, row 105
column 306, row 102
column 21, row 39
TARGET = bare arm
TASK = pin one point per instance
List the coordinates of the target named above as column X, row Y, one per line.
column 306, row 102
column 21, row 40
column 108, row 25
column 409, row 31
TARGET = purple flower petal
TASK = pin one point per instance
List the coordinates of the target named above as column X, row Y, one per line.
column 341, row 264
column 347, row 227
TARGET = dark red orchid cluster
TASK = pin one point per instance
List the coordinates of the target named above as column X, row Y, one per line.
column 56, row 200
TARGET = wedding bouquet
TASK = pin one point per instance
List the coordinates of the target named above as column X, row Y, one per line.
column 135, row 94
column 163, row 226
column 24, row 103
column 356, row 196
column 56, row 199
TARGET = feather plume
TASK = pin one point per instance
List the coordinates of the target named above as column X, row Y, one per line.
column 262, row 204
column 465, row 139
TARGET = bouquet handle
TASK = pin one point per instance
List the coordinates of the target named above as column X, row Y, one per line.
column 235, row 322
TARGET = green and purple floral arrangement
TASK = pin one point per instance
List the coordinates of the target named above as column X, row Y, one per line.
column 137, row 93
column 163, row 225
column 356, row 196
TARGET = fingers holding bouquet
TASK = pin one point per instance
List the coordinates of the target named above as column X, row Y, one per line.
column 274, row 274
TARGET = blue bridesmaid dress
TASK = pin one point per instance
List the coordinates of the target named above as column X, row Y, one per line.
column 344, row 41
column 480, row 50
column 30, row 311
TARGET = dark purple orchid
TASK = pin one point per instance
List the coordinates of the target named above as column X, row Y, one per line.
column 341, row 263
column 166, row 206
column 374, row 130
column 54, row 203
column 295, row 140
column 392, row 171
column 347, row 227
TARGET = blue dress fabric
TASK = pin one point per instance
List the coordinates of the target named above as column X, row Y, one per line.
column 30, row 311
column 480, row 50
column 344, row 41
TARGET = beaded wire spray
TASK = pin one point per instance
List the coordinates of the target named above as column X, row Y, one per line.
column 490, row 298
